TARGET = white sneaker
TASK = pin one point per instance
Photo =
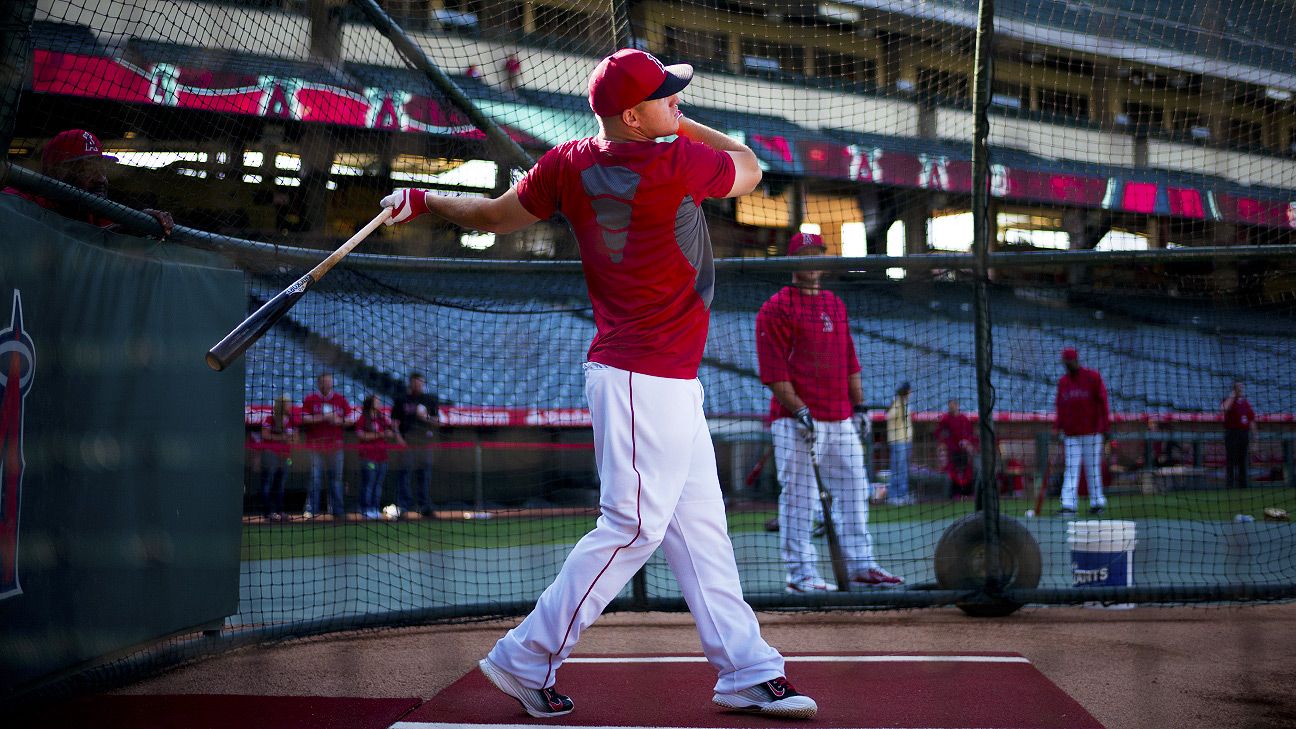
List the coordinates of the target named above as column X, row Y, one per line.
column 540, row 703
column 809, row 586
column 772, row 698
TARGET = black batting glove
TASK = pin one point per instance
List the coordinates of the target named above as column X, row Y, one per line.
column 805, row 421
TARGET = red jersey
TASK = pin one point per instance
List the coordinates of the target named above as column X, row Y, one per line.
column 373, row 450
column 635, row 208
column 954, row 429
column 1239, row 416
column 806, row 340
column 287, row 431
column 317, row 404
column 83, row 216
column 1082, row 403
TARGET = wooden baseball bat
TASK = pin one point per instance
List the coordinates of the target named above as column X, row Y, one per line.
column 760, row 466
column 840, row 573
column 244, row 335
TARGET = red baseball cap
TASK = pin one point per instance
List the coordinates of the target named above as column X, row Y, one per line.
column 801, row 241
column 72, row 145
column 1070, row 355
column 629, row 77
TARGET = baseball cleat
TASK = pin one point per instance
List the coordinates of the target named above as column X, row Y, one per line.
column 876, row 577
column 771, row 698
column 1066, row 511
column 1097, row 509
column 809, row 586
column 540, row 703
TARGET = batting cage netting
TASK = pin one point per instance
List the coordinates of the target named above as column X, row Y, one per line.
column 418, row 442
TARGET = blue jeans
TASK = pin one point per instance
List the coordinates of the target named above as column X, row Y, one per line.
column 321, row 461
column 898, row 489
column 415, row 462
column 274, row 471
column 371, row 483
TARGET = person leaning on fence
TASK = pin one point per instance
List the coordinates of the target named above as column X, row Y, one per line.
column 278, row 431
column 807, row 359
column 634, row 204
column 415, row 414
column 899, row 431
column 1082, row 422
column 1239, row 425
column 324, row 415
column 957, row 437
column 375, row 432
column 76, row 157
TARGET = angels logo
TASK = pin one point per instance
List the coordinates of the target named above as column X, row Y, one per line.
column 17, row 369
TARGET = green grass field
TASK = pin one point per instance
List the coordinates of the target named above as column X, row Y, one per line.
column 313, row 540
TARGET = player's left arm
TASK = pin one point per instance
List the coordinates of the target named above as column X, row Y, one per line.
column 503, row 214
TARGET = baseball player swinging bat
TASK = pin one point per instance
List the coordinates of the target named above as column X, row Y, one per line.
column 244, row 335
column 840, row 573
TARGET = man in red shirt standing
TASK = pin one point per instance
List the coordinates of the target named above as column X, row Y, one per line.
column 324, row 414
column 1082, row 421
column 807, row 359
column 956, row 435
column 76, row 157
column 634, row 205
column 1239, row 424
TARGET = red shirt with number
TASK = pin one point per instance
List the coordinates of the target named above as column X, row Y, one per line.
column 635, row 208
column 373, row 450
column 805, row 340
column 1081, row 403
column 317, row 404
column 1239, row 415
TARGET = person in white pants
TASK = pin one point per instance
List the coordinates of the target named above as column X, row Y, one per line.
column 634, row 205
column 1083, row 419
column 807, row 359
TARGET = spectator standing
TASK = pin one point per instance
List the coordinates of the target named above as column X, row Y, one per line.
column 324, row 415
column 955, row 434
column 76, row 157
column 278, row 431
column 374, row 431
column 1082, row 422
column 512, row 68
column 634, row 205
column 900, row 439
column 415, row 413
column 1239, row 424
column 807, row 359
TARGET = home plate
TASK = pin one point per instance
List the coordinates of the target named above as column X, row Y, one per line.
column 896, row 691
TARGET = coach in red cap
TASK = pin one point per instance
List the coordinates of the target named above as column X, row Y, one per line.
column 1082, row 421
column 76, row 158
column 807, row 359
column 634, row 205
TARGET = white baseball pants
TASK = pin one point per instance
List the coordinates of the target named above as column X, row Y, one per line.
column 659, row 486
column 841, row 466
column 1087, row 449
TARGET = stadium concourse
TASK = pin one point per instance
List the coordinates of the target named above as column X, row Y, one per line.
column 1149, row 668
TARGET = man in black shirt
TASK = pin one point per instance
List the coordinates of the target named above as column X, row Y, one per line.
column 415, row 414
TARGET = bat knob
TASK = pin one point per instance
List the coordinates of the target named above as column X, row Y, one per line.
column 214, row 362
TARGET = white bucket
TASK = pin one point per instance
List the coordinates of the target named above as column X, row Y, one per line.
column 1102, row 555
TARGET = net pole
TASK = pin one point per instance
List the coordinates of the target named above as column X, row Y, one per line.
column 622, row 35
column 410, row 51
column 987, row 494
column 15, row 49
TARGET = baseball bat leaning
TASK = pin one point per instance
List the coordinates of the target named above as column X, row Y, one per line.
column 840, row 573
column 1039, row 493
column 760, row 466
column 244, row 335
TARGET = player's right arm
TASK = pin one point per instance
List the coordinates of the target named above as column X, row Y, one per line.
column 503, row 214
column 747, row 171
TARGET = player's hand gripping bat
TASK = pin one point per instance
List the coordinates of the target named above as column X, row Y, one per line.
column 244, row 335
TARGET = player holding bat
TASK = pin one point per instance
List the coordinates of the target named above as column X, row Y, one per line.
column 634, row 204
column 807, row 359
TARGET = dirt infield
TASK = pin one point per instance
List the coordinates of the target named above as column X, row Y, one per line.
column 1138, row 669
